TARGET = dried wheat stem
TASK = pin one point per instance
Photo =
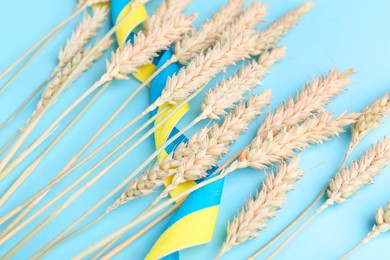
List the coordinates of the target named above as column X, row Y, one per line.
column 382, row 225
column 42, row 40
column 209, row 32
column 371, row 117
column 349, row 180
column 248, row 223
column 22, row 177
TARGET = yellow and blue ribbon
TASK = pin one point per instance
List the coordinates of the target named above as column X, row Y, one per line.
column 193, row 223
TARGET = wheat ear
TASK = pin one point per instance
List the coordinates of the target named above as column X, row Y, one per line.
column 252, row 218
column 319, row 128
column 32, row 125
column 382, row 225
column 84, row 32
column 348, row 181
column 371, row 117
column 208, row 33
column 282, row 26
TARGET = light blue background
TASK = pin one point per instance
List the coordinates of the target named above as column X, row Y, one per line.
column 342, row 34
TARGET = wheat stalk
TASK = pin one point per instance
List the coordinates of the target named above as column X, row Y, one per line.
column 371, row 117
column 253, row 218
column 189, row 47
column 382, row 225
column 349, row 180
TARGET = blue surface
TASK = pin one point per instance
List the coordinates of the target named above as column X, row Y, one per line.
column 342, row 34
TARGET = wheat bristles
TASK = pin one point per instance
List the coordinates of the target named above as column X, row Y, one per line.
column 206, row 147
column 349, row 180
column 309, row 101
column 230, row 91
column 84, row 32
column 370, row 118
column 263, row 152
column 126, row 60
column 236, row 44
column 208, row 33
column 282, row 26
column 56, row 83
column 254, row 217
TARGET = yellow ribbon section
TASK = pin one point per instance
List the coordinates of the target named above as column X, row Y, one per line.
column 139, row 15
column 171, row 240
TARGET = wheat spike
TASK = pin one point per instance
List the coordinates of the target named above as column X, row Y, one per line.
column 309, row 101
column 370, row 118
column 263, row 152
column 84, row 32
column 56, row 83
column 349, row 180
column 228, row 92
column 252, row 218
column 282, row 26
column 126, row 60
column 191, row 45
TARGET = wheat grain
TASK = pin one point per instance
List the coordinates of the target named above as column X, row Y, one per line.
column 190, row 46
column 349, row 180
column 84, row 32
column 282, row 26
column 254, row 217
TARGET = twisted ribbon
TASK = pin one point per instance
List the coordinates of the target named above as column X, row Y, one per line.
column 194, row 222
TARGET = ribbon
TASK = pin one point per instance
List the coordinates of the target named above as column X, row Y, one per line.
column 194, row 222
